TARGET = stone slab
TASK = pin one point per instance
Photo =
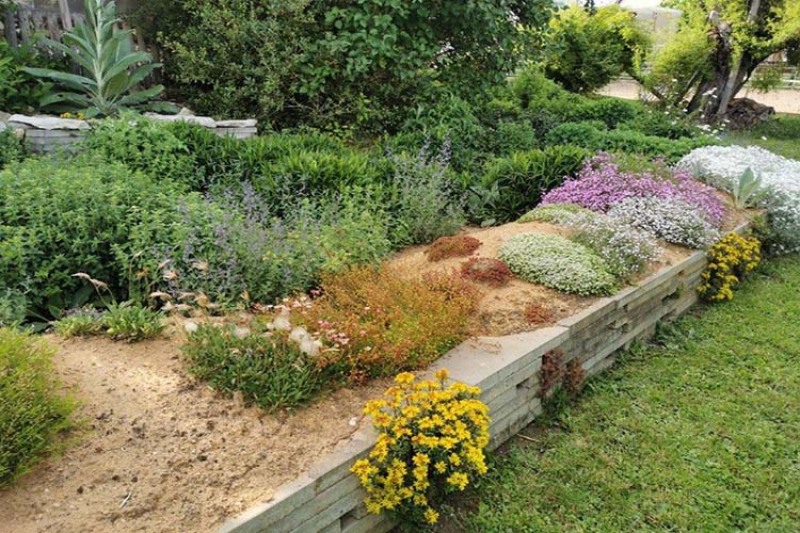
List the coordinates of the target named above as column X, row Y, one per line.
column 206, row 122
column 42, row 122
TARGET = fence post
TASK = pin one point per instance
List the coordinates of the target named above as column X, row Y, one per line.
column 66, row 16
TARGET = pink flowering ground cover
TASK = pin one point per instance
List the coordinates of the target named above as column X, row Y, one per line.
column 601, row 184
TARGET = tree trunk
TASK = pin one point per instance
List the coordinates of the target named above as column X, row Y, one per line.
column 734, row 80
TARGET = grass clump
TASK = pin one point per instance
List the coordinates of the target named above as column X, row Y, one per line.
column 32, row 413
column 447, row 247
column 132, row 323
column 557, row 263
column 269, row 368
column 492, row 272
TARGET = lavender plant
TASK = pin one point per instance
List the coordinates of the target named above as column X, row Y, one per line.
column 558, row 263
column 671, row 219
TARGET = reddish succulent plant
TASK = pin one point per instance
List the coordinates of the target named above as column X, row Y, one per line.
column 492, row 272
column 458, row 246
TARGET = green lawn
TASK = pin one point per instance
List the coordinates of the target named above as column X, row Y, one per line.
column 698, row 433
column 779, row 136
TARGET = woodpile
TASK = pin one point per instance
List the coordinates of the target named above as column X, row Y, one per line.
column 744, row 113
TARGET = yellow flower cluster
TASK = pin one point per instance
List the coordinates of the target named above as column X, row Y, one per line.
column 430, row 442
column 729, row 261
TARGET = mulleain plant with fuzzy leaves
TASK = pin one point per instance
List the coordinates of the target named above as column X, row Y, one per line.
column 110, row 68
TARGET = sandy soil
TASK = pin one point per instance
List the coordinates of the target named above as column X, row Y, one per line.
column 501, row 310
column 783, row 100
column 160, row 452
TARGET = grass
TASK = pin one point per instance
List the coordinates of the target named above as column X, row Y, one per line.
column 779, row 136
column 700, row 432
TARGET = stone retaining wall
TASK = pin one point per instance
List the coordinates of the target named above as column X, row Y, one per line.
column 328, row 498
column 44, row 134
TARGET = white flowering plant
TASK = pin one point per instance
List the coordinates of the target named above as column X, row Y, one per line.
column 555, row 213
column 723, row 167
column 624, row 248
column 558, row 263
column 671, row 219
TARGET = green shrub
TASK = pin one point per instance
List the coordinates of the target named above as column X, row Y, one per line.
column 533, row 89
column 312, row 174
column 79, row 219
column 510, row 137
column 11, row 148
column 230, row 161
column 585, row 50
column 132, row 323
column 558, row 263
column 13, row 307
column 144, row 145
column 635, row 142
column 585, row 134
column 447, row 125
column 609, row 111
column 667, row 124
column 20, row 92
column 32, row 411
column 268, row 369
column 513, row 185
column 555, row 213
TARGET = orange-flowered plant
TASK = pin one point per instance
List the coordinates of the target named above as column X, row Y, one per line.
column 380, row 321
column 431, row 442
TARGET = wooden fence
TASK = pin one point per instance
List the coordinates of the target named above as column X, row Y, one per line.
column 22, row 23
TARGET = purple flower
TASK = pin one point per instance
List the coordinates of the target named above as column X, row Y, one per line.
column 601, row 185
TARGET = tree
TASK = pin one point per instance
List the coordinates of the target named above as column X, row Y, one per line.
column 718, row 48
column 587, row 49
column 294, row 61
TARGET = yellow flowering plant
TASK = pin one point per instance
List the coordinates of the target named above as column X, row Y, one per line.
column 729, row 261
column 431, row 441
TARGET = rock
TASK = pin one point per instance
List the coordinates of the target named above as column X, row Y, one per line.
column 250, row 123
column 3, row 127
column 186, row 112
column 46, row 123
column 206, row 122
column 745, row 113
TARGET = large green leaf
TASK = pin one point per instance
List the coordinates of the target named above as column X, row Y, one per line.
column 73, row 81
column 72, row 98
column 141, row 96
